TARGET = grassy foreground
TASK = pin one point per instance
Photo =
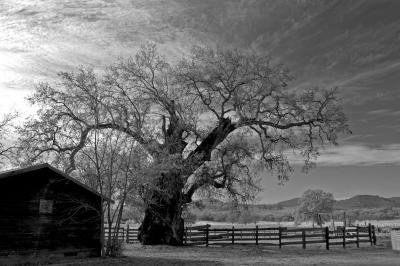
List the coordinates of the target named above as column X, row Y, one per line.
column 248, row 255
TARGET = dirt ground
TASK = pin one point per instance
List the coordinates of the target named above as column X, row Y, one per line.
column 248, row 255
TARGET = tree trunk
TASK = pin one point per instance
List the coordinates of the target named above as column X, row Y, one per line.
column 163, row 223
column 156, row 230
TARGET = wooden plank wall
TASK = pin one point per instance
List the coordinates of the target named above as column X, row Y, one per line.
column 67, row 230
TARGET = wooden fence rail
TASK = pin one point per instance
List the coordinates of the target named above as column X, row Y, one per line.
column 280, row 236
column 120, row 235
column 272, row 236
column 128, row 235
column 131, row 235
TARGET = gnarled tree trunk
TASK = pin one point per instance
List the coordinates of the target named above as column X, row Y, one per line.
column 163, row 223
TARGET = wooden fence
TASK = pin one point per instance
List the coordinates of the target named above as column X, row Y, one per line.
column 280, row 236
column 128, row 235
column 272, row 236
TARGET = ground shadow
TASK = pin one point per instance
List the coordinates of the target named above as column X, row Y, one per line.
column 139, row 261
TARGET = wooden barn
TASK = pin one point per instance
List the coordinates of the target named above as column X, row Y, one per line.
column 46, row 213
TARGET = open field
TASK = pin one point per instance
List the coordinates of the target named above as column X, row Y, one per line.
column 248, row 255
column 376, row 223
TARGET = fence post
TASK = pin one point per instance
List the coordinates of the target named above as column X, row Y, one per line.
column 373, row 235
column 358, row 236
column 233, row 235
column 280, row 237
column 327, row 237
column 127, row 233
column 370, row 233
column 256, row 234
column 344, row 236
column 207, row 232
column 186, row 236
column 303, row 236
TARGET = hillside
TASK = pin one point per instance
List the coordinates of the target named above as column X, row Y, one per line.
column 366, row 202
column 359, row 207
column 396, row 200
column 288, row 203
column 356, row 202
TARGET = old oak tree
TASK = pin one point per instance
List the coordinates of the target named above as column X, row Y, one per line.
column 207, row 122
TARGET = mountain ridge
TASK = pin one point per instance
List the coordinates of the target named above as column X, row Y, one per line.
column 358, row 207
column 355, row 202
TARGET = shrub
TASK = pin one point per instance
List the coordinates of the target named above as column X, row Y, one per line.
column 206, row 216
column 114, row 247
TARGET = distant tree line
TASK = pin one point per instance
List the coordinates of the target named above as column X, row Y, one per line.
column 253, row 216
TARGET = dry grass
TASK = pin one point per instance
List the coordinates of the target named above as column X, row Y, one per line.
column 249, row 255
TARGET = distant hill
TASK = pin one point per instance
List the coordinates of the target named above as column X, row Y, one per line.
column 360, row 207
column 365, row 202
column 396, row 200
column 356, row 202
column 288, row 203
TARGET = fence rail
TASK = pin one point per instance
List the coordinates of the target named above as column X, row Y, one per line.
column 131, row 235
column 272, row 236
column 128, row 235
column 120, row 235
column 280, row 236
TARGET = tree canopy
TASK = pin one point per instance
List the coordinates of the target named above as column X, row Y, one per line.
column 6, row 143
column 313, row 204
column 223, row 106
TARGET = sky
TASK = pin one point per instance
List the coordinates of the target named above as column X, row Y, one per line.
column 352, row 45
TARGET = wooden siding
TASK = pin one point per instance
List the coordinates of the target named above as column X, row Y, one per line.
column 73, row 226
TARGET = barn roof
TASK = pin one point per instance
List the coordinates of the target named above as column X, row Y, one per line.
column 20, row 171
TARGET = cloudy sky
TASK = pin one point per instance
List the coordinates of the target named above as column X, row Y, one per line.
column 353, row 45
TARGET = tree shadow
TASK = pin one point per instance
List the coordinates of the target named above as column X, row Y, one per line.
column 162, row 261
column 136, row 261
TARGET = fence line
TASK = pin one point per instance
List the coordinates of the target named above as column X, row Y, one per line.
column 128, row 235
column 272, row 236
column 280, row 236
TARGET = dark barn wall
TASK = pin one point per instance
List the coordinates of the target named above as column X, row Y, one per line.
column 68, row 223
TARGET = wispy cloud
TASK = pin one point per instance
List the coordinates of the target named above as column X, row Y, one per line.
column 369, row 74
column 386, row 112
column 360, row 155
column 40, row 38
column 378, row 111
